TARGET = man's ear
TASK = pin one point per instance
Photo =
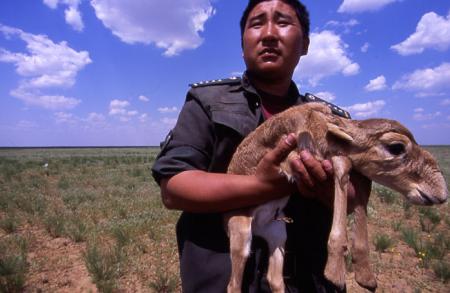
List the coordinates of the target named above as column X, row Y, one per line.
column 305, row 46
column 339, row 132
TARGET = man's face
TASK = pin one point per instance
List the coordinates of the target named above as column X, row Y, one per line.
column 273, row 40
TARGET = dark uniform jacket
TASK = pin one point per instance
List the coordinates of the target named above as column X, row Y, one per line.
column 216, row 117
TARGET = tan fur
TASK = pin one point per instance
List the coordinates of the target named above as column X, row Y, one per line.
column 368, row 146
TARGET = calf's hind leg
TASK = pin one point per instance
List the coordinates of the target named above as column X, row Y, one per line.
column 275, row 235
column 240, row 234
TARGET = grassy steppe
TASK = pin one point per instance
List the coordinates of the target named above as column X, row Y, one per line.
column 93, row 220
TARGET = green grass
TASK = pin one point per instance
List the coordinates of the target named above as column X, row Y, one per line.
column 87, row 195
column 386, row 195
column 383, row 242
column 104, row 266
column 10, row 223
column 164, row 282
column 13, row 263
column 442, row 271
column 12, row 273
column 105, row 200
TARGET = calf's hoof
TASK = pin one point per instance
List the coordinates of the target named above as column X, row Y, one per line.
column 366, row 279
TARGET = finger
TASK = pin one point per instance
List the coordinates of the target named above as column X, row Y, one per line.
column 313, row 166
column 328, row 167
column 283, row 148
column 301, row 174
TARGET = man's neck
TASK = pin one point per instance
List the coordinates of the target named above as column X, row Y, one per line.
column 270, row 86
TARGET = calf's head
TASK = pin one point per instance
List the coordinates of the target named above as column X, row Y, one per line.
column 386, row 152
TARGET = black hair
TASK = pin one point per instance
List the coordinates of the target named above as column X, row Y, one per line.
column 300, row 10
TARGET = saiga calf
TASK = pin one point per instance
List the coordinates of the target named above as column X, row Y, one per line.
column 382, row 150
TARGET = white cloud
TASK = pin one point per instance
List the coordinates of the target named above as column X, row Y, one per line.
column 165, row 110
column 63, row 117
column 445, row 102
column 367, row 109
column 327, row 55
column 439, row 126
column 119, row 108
column 143, row 118
column 51, row 3
column 119, row 104
column 48, row 64
column 327, row 96
column 430, row 94
column 73, row 17
column 236, row 73
column 51, row 102
column 427, row 81
column 95, row 118
column 355, row 6
column 365, row 47
column 91, row 121
column 26, row 124
column 45, row 65
column 143, row 98
column 345, row 25
column 376, row 84
column 169, row 121
column 172, row 25
column 432, row 31
column 420, row 115
column 72, row 13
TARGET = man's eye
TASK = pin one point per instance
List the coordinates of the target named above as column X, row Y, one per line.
column 283, row 23
column 255, row 24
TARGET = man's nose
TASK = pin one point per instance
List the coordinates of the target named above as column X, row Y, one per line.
column 270, row 32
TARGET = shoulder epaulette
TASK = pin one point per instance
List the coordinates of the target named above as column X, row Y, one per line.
column 335, row 109
column 223, row 81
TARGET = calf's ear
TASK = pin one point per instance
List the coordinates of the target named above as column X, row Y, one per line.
column 306, row 142
column 339, row 132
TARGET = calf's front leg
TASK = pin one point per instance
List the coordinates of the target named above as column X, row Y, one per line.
column 337, row 241
column 360, row 248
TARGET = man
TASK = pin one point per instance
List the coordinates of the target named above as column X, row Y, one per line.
column 215, row 118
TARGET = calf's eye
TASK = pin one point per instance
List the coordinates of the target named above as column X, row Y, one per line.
column 396, row 149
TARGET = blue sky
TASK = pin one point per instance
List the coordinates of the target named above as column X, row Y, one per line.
column 113, row 72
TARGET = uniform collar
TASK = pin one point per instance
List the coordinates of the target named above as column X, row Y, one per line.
column 246, row 86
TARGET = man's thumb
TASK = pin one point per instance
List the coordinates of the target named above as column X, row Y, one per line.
column 283, row 148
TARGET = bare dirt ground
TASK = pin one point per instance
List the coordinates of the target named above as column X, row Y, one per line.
column 56, row 264
column 104, row 199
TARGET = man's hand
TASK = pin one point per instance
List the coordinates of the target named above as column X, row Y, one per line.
column 268, row 169
column 314, row 179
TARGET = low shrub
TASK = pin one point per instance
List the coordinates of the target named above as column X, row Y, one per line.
column 442, row 270
column 383, row 242
column 104, row 266
column 13, row 269
column 386, row 195
column 10, row 223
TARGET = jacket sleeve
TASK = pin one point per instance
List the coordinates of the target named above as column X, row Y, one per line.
column 189, row 146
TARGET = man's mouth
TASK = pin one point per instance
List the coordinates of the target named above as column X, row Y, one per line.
column 270, row 52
